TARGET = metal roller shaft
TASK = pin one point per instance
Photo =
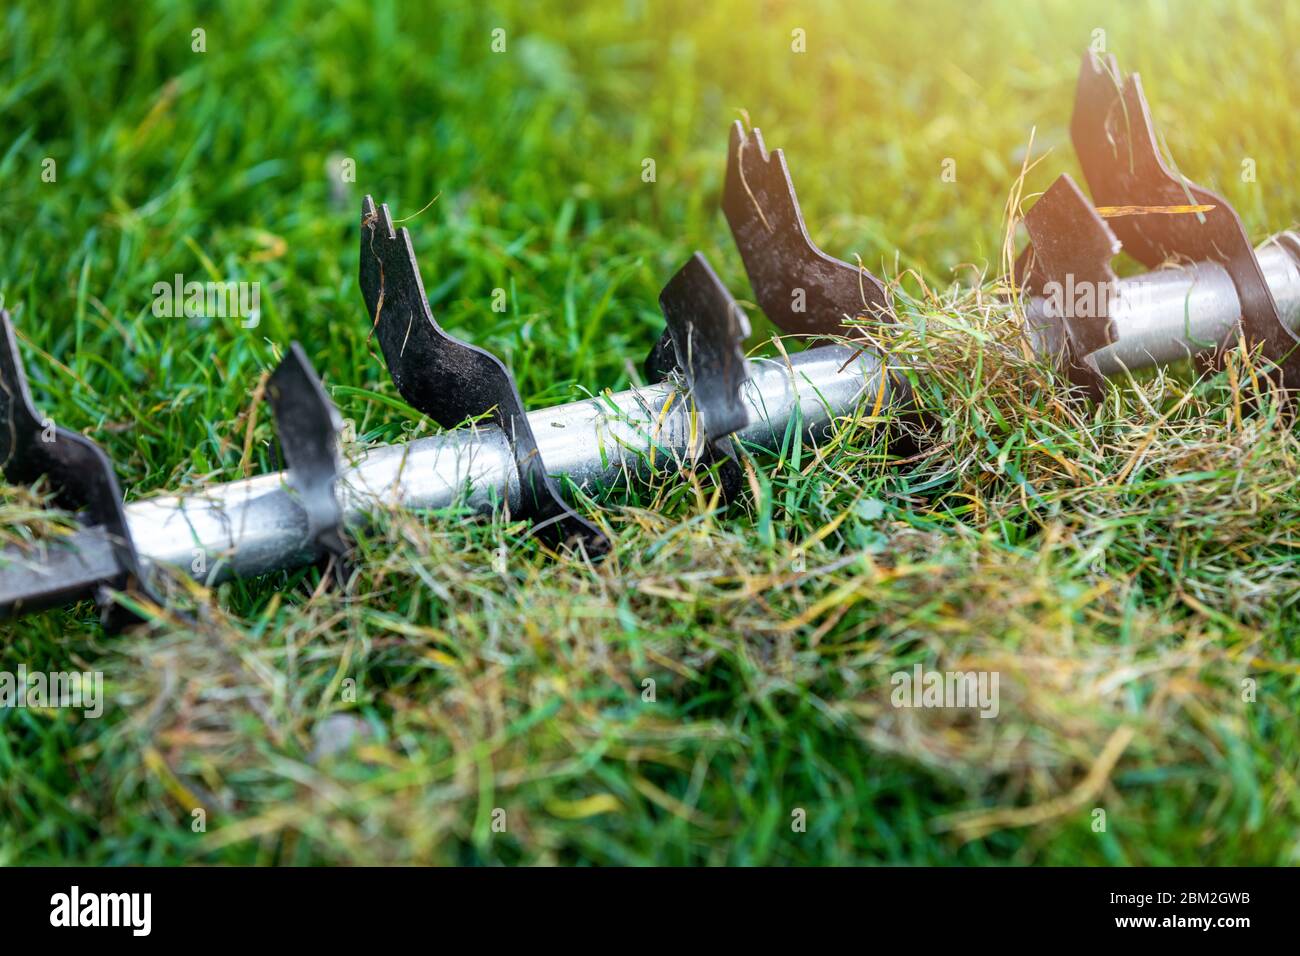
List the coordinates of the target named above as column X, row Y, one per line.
column 256, row 525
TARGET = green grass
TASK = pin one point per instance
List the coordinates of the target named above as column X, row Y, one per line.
column 1123, row 568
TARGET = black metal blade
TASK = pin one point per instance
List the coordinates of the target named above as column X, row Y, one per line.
column 453, row 382
column 308, row 427
column 799, row 287
column 79, row 471
column 706, row 329
column 1072, row 248
column 705, row 338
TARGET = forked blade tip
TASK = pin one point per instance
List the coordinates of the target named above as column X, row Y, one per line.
column 748, row 140
column 372, row 215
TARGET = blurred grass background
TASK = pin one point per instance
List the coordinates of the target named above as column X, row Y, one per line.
column 1135, row 600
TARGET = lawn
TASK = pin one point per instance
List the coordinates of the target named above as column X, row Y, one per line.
column 1128, row 569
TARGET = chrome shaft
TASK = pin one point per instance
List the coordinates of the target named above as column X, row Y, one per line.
column 256, row 525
